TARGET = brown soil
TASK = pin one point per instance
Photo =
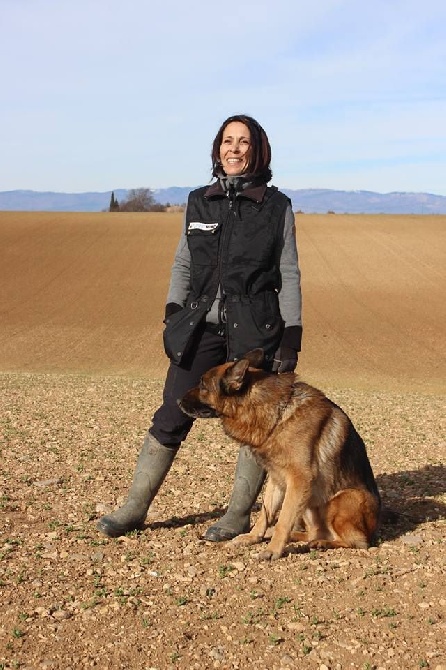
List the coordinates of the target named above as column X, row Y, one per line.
column 81, row 372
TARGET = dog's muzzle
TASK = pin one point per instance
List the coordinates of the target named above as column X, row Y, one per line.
column 197, row 410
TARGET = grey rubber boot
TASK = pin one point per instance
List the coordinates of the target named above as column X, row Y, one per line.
column 249, row 478
column 152, row 466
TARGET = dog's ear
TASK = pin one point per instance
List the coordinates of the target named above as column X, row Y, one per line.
column 232, row 379
column 255, row 358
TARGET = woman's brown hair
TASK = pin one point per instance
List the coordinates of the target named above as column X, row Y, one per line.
column 259, row 163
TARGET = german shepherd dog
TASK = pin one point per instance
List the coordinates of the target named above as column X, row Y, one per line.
column 319, row 476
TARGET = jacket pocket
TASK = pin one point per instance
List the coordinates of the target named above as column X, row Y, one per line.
column 180, row 328
column 203, row 238
column 254, row 322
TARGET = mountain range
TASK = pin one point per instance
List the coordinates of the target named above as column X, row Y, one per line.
column 312, row 200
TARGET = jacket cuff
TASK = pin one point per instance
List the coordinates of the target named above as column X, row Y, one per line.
column 171, row 308
column 292, row 337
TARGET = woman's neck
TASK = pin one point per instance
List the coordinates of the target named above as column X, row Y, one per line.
column 238, row 183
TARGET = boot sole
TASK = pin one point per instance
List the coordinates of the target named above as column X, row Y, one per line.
column 115, row 531
column 219, row 535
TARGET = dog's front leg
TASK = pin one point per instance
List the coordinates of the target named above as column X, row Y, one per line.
column 272, row 501
column 294, row 504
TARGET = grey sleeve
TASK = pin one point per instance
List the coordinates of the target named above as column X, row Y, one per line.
column 290, row 296
column 180, row 275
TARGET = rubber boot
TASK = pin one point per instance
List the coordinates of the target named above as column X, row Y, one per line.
column 152, row 466
column 249, row 478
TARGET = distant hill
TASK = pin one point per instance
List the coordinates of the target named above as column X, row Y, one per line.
column 314, row 200
column 49, row 201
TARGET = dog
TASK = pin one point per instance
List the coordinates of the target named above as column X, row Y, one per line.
column 319, row 475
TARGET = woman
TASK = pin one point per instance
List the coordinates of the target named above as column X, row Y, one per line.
column 235, row 286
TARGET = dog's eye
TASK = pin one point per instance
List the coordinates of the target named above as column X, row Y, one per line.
column 203, row 387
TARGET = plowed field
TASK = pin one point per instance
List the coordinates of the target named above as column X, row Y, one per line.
column 81, row 372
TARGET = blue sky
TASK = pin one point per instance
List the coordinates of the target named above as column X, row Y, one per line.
column 101, row 94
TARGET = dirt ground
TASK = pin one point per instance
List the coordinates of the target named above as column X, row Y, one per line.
column 81, row 372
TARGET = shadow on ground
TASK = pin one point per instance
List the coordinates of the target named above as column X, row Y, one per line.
column 189, row 519
column 409, row 499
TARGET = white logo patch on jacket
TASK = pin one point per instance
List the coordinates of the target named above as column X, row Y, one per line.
column 197, row 225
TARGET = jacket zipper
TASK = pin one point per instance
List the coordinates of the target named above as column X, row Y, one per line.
column 224, row 242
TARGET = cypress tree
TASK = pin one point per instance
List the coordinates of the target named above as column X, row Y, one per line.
column 114, row 204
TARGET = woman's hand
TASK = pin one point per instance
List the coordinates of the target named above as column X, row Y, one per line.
column 285, row 360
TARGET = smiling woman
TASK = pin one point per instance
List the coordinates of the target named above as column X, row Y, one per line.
column 235, row 286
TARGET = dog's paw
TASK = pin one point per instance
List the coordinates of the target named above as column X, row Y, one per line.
column 320, row 545
column 268, row 555
column 246, row 539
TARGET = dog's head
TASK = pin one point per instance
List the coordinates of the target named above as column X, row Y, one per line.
column 217, row 385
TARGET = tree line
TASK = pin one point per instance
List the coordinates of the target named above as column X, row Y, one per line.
column 137, row 200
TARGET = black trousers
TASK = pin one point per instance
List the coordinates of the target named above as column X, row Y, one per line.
column 170, row 425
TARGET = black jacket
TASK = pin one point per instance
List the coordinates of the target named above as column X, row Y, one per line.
column 235, row 241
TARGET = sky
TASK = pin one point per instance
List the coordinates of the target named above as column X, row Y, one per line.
column 102, row 94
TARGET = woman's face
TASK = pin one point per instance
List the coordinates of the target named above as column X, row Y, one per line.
column 235, row 148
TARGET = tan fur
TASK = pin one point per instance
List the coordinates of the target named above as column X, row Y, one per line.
column 319, row 475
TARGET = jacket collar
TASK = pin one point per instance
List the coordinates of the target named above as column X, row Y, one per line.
column 254, row 192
